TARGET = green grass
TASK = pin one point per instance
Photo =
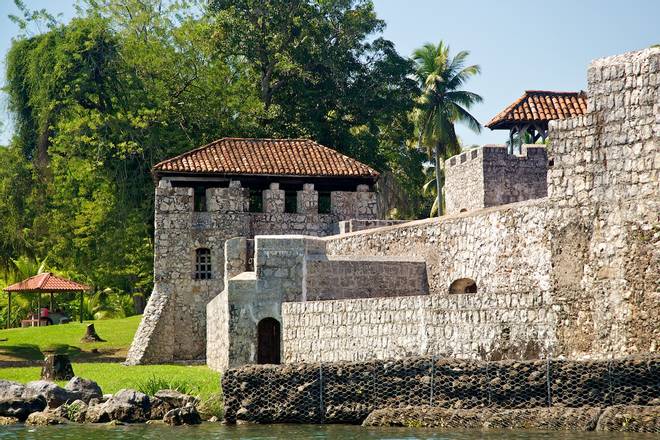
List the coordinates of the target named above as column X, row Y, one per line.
column 111, row 377
column 29, row 343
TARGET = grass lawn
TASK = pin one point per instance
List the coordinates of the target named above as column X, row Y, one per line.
column 27, row 344
column 111, row 377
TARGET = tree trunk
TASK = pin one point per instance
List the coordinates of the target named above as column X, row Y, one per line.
column 56, row 367
column 438, row 184
column 91, row 335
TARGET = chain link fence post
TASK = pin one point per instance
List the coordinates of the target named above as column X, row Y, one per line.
column 609, row 400
column 321, row 408
column 489, row 381
column 432, row 379
column 548, row 379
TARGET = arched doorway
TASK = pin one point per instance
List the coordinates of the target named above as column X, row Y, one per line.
column 268, row 341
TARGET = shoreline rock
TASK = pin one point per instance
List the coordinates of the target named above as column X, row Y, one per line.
column 82, row 401
column 618, row 418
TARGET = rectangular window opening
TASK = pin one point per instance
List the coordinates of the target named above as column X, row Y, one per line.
column 290, row 202
column 200, row 199
column 256, row 200
column 324, row 203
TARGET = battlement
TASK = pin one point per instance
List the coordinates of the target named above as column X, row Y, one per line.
column 490, row 176
column 342, row 205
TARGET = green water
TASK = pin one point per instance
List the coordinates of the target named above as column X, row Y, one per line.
column 288, row 432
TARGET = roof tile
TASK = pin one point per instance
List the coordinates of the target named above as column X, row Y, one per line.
column 46, row 282
column 540, row 105
column 300, row 157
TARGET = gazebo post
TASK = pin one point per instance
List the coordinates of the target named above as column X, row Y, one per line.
column 38, row 309
column 81, row 306
column 51, row 302
column 9, row 310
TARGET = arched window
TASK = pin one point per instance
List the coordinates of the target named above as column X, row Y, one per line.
column 203, row 264
column 463, row 210
column 463, row 285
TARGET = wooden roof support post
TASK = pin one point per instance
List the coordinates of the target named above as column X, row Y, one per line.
column 9, row 310
column 81, row 307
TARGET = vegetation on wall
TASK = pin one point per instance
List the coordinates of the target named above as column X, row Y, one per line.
column 96, row 102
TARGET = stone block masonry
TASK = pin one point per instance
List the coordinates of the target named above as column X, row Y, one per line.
column 174, row 322
column 489, row 176
column 289, row 270
column 516, row 325
column 590, row 250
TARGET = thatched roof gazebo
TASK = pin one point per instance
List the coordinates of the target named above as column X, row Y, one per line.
column 45, row 283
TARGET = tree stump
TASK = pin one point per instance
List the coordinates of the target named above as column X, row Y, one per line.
column 56, row 367
column 91, row 335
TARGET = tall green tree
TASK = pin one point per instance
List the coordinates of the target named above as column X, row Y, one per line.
column 443, row 103
column 322, row 70
column 96, row 103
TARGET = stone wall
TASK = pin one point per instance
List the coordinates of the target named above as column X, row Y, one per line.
column 489, row 176
column 355, row 225
column 174, row 322
column 328, row 278
column 516, row 325
column 582, row 263
column 289, row 270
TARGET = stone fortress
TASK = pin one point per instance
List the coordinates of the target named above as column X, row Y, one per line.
column 547, row 252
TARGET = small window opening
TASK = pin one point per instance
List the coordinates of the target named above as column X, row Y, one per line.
column 551, row 163
column 463, row 285
column 324, row 203
column 200, row 199
column 290, row 202
column 203, row 264
column 256, row 200
column 463, row 210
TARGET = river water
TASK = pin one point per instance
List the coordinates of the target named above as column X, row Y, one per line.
column 287, row 432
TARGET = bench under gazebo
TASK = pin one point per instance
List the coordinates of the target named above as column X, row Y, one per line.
column 44, row 283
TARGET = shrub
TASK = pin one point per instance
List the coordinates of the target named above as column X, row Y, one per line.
column 210, row 406
column 154, row 384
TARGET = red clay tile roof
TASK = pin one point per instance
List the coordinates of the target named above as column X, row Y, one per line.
column 296, row 157
column 540, row 105
column 46, row 282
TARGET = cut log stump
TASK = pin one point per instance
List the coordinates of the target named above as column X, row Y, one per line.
column 91, row 335
column 56, row 367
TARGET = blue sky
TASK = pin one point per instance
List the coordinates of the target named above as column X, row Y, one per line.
column 519, row 44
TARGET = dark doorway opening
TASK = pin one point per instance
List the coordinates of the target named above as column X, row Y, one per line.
column 463, row 285
column 268, row 341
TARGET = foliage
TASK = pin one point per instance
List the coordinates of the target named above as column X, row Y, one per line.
column 443, row 102
column 153, row 384
column 97, row 101
column 322, row 70
column 211, row 405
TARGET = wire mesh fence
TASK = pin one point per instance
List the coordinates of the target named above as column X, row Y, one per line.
column 495, row 393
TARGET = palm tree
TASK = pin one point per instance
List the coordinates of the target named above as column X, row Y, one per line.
column 443, row 103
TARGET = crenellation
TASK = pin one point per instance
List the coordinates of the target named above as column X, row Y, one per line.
column 273, row 199
column 490, row 176
column 307, row 200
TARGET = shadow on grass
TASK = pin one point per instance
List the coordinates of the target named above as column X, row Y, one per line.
column 32, row 352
